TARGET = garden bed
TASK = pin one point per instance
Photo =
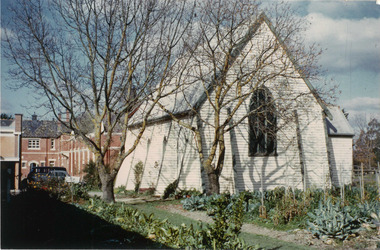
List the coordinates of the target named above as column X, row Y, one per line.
column 265, row 237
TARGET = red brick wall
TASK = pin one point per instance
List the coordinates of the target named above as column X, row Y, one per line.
column 70, row 152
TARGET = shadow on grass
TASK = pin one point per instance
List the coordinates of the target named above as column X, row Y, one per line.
column 34, row 220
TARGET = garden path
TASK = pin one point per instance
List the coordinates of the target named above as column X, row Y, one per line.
column 301, row 237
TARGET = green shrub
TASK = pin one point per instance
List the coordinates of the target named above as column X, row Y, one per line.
column 76, row 192
column 179, row 194
column 170, row 189
column 195, row 203
column 331, row 221
column 91, row 177
column 162, row 231
column 290, row 207
column 138, row 171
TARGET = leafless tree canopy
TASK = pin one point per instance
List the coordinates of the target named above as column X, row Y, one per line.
column 97, row 59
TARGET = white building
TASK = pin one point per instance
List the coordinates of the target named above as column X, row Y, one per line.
column 311, row 147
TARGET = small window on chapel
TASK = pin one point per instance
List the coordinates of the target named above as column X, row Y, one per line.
column 262, row 124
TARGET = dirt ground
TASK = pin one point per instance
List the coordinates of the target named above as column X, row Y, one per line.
column 301, row 237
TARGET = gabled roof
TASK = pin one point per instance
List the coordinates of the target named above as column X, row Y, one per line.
column 192, row 96
column 42, row 129
column 338, row 125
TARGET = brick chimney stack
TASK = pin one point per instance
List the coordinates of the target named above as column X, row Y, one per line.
column 18, row 123
column 67, row 116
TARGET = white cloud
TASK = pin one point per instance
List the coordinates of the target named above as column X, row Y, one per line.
column 351, row 43
column 359, row 106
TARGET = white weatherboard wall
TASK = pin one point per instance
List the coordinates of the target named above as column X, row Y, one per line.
column 168, row 153
column 341, row 160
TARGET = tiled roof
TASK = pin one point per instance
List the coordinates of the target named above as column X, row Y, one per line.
column 6, row 123
column 42, row 129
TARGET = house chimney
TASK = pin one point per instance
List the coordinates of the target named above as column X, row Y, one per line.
column 59, row 122
column 34, row 117
column 67, row 116
column 18, row 123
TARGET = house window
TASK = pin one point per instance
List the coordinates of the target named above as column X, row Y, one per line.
column 42, row 164
column 51, row 163
column 52, row 144
column 262, row 124
column 23, row 164
column 33, row 144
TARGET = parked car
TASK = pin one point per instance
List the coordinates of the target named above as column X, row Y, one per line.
column 63, row 175
column 40, row 174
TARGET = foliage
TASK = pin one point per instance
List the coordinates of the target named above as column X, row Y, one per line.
column 187, row 193
column 170, row 189
column 332, row 221
column 5, row 116
column 195, row 203
column 161, row 230
column 56, row 187
column 91, row 177
column 227, row 213
column 367, row 145
column 120, row 189
column 376, row 220
column 76, row 192
column 289, row 208
column 138, row 171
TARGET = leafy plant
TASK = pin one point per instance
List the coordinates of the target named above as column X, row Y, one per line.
column 376, row 220
column 138, row 171
column 170, row 189
column 164, row 232
column 288, row 208
column 331, row 221
column 76, row 192
column 195, row 203
column 184, row 193
column 91, row 177
column 227, row 215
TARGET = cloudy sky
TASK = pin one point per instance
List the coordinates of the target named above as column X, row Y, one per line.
column 348, row 31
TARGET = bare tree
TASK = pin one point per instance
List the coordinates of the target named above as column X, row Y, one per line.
column 367, row 145
column 232, row 60
column 97, row 59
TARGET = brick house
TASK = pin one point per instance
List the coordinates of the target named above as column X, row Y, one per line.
column 49, row 143
column 10, row 154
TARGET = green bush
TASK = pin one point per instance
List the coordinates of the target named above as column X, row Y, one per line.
column 76, row 192
column 227, row 214
column 162, row 231
column 331, row 221
column 170, row 189
column 91, row 177
column 138, row 171
column 186, row 193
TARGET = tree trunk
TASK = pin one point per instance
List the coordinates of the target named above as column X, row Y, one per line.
column 213, row 183
column 106, row 179
column 107, row 189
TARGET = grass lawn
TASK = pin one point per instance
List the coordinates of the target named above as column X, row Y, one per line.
column 176, row 219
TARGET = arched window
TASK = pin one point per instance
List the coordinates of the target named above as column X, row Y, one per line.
column 262, row 124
